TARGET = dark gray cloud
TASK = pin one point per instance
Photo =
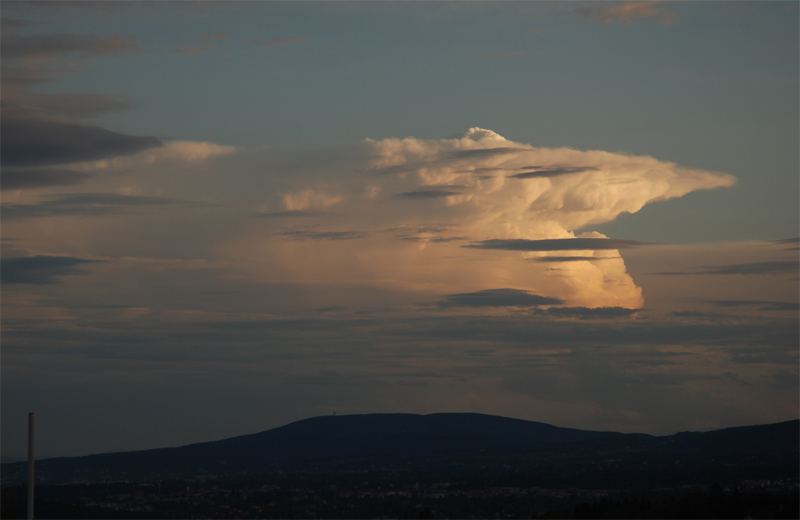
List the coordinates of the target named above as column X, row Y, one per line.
column 586, row 313
column 539, row 171
column 293, row 214
column 432, row 193
column 88, row 205
column 44, row 47
column 80, row 105
column 700, row 315
column 556, row 244
column 546, row 259
column 280, row 41
column 414, row 230
column 40, row 178
column 10, row 26
column 321, row 235
column 487, row 152
column 40, row 269
column 497, row 298
column 793, row 243
column 435, row 240
column 761, row 268
column 422, row 233
column 762, row 305
column 33, row 139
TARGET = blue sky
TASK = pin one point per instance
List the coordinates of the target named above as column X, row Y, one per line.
column 287, row 198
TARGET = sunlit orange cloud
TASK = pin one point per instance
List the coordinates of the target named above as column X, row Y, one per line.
column 411, row 218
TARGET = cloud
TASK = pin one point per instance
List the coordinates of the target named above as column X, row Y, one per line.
column 610, row 184
column 762, row 305
column 190, row 151
column 628, row 13
column 322, row 235
column 503, row 54
column 559, row 244
column 497, row 298
column 280, row 41
column 757, row 268
column 40, row 178
column 40, row 269
column 434, row 193
column 700, row 315
column 33, row 139
column 79, row 105
column 545, row 259
column 551, row 172
column 88, row 205
column 191, row 49
column 309, row 199
column 292, row 214
column 793, row 243
column 47, row 47
column 585, row 313
column 212, row 36
column 416, row 248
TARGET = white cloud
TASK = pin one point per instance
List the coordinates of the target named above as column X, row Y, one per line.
column 174, row 150
column 309, row 199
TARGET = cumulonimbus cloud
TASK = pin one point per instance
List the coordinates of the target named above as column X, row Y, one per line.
column 471, row 214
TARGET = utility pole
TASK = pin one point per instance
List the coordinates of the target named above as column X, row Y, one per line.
column 31, row 418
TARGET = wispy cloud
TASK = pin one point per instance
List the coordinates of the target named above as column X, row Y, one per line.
column 546, row 259
column 628, row 13
column 321, row 235
column 79, row 105
column 40, row 178
column 755, row 268
column 586, row 313
column 293, row 214
column 279, row 41
column 557, row 244
column 497, row 298
column 506, row 54
column 89, row 205
column 762, row 305
column 40, row 269
column 537, row 171
column 212, row 36
column 430, row 193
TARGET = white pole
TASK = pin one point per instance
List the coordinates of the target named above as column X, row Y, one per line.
column 31, row 417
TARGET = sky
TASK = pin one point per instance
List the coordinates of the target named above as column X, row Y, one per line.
column 220, row 218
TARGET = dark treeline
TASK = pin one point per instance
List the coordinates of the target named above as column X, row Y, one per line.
column 383, row 496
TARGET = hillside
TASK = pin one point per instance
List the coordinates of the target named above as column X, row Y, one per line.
column 415, row 442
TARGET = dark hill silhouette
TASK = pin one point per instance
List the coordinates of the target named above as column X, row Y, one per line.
column 385, row 434
column 358, row 441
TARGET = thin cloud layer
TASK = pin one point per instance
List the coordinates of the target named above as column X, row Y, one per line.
column 628, row 13
column 33, row 139
column 754, row 268
column 279, row 41
column 557, row 244
column 40, row 178
column 497, row 298
column 88, row 205
column 40, row 269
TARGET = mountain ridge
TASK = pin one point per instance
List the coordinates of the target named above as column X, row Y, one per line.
column 356, row 439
